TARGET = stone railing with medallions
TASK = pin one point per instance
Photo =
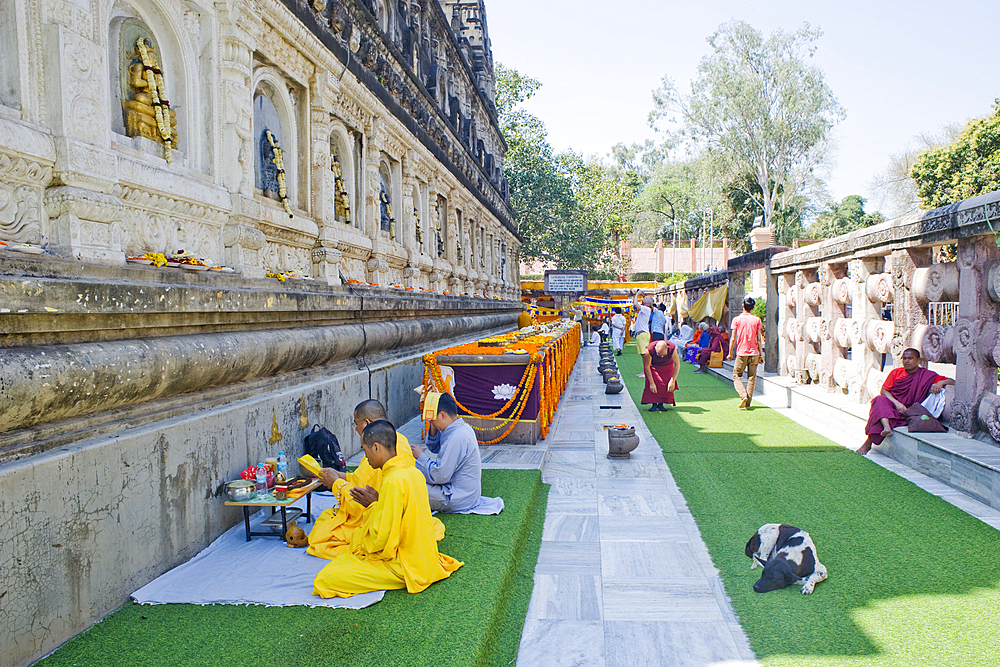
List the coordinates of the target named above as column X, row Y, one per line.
column 850, row 305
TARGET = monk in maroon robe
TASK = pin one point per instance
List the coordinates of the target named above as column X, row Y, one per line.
column 716, row 343
column 902, row 388
column 660, row 365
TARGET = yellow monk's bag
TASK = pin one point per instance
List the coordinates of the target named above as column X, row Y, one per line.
column 715, row 360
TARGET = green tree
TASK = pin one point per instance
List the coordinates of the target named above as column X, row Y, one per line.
column 758, row 107
column 847, row 216
column 570, row 213
column 540, row 190
column 741, row 210
column 968, row 167
column 605, row 205
column 673, row 196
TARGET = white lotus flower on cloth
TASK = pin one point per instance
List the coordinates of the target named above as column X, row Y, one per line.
column 503, row 392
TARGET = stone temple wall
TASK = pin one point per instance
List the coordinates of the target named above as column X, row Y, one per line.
column 130, row 394
column 930, row 281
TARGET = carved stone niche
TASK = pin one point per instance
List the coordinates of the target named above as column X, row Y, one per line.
column 84, row 224
column 243, row 246
column 326, row 265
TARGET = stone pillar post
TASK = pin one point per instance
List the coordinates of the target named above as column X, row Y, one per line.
column 833, row 311
column 736, row 294
column 760, row 238
column 907, row 313
column 84, row 209
column 406, row 222
column 863, row 358
column 975, row 373
column 774, row 314
column 372, row 207
column 806, row 281
column 326, row 265
column 780, row 325
column 243, row 244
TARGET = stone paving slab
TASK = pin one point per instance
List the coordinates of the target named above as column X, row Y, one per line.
column 623, row 577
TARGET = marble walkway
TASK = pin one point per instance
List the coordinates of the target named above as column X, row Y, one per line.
column 623, row 577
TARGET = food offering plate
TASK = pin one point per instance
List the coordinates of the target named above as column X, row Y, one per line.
column 223, row 269
column 194, row 267
column 139, row 260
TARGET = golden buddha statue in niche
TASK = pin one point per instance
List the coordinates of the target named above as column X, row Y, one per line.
column 140, row 116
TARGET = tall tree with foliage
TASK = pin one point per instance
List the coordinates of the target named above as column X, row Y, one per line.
column 847, row 216
column 540, row 191
column 569, row 212
column 967, row 168
column 758, row 107
column 742, row 210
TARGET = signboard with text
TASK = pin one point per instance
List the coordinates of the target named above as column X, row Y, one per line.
column 565, row 283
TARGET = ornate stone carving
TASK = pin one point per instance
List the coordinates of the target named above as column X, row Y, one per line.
column 964, row 337
column 993, row 280
column 937, row 344
column 938, row 282
column 878, row 335
column 963, row 417
column 20, row 213
column 842, row 332
column 841, row 290
column 989, row 414
column 83, row 223
column 842, row 373
column 879, row 288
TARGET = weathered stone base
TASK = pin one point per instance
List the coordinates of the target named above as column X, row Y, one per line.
column 86, row 523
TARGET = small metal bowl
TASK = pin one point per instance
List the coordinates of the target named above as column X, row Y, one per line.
column 240, row 490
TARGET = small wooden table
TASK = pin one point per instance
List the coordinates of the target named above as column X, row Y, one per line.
column 272, row 502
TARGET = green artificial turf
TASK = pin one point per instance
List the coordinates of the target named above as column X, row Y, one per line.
column 913, row 580
column 472, row 618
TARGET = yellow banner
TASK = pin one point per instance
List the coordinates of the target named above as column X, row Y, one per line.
column 709, row 304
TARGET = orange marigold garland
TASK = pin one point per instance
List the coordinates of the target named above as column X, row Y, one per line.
column 552, row 361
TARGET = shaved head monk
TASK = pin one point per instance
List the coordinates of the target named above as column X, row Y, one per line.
column 395, row 546
column 902, row 388
column 333, row 528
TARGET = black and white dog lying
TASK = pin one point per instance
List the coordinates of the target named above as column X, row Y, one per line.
column 788, row 556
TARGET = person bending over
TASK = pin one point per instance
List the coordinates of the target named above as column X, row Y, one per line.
column 454, row 479
column 395, row 546
column 333, row 528
column 660, row 365
column 903, row 388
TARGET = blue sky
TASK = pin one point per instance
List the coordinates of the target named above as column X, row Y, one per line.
column 898, row 68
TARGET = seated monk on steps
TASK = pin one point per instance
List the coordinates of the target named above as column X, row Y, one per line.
column 395, row 545
column 902, row 388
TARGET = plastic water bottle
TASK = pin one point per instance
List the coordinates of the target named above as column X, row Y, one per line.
column 282, row 467
column 261, row 486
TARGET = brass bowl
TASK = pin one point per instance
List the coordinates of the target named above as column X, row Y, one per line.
column 240, row 490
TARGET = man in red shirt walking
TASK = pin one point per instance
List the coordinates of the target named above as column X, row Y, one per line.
column 748, row 341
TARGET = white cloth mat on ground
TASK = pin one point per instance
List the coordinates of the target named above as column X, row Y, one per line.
column 262, row 571
column 485, row 505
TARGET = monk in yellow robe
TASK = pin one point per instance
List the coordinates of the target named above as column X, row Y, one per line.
column 395, row 546
column 332, row 530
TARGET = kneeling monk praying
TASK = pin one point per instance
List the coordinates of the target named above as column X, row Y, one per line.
column 395, row 546
column 903, row 387
column 332, row 532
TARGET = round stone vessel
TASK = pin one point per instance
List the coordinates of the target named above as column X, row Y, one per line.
column 621, row 441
